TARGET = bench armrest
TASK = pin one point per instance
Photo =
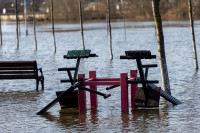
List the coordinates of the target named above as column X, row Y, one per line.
column 40, row 69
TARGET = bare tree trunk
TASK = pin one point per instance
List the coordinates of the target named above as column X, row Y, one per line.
column 193, row 35
column 107, row 29
column 124, row 18
column 1, row 39
column 161, row 46
column 52, row 20
column 17, row 30
column 25, row 16
column 81, row 23
column 109, row 26
column 34, row 24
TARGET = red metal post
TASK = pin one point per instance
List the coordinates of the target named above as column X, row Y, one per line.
column 133, row 75
column 93, row 97
column 82, row 96
column 124, row 91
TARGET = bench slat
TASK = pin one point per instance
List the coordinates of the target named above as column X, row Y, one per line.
column 17, row 72
column 17, row 64
column 17, row 77
column 17, row 68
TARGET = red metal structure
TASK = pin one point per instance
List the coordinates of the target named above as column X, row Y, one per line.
column 93, row 82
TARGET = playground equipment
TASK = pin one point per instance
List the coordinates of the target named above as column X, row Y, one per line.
column 146, row 96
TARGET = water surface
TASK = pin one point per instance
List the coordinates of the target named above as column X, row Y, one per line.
column 19, row 102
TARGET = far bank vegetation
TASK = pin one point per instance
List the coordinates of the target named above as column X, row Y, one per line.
column 137, row 10
column 134, row 9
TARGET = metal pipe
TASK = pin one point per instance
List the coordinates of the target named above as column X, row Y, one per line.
column 95, row 92
column 167, row 96
column 146, row 91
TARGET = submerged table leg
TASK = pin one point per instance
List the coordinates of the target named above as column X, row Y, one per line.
column 124, row 92
column 93, row 97
column 133, row 75
column 82, row 95
column 146, row 92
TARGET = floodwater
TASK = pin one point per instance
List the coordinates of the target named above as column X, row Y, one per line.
column 19, row 102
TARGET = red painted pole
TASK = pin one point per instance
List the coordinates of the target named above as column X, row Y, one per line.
column 82, row 96
column 124, row 92
column 133, row 75
column 93, row 97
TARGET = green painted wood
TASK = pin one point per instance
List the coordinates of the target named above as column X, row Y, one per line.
column 78, row 54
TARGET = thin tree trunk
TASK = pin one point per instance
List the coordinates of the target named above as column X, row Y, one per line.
column 1, row 39
column 81, row 23
column 124, row 18
column 17, row 30
column 25, row 16
column 161, row 46
column 109, row 26
column 193, row 35
column 52, row 20
column 107, row 29
column 34, row 24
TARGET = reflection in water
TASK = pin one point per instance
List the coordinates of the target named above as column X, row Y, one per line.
column 94, row 116
column 146, row 120
column 125, row 122
column 139, row 120
column 67, row 118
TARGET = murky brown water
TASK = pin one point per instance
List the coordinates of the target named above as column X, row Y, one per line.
column 19, row 102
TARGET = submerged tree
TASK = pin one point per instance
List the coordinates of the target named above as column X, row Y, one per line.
column 161, row 46
column 81, row 23
column 193, row 35
column 34, row 24
column 109, row 27
column 124, row 18
column 1, row 40
column 52, row 20
column 17, row 25
column 25, row 16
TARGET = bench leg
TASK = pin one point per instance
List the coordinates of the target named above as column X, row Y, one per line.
column 37, row 83
column 42, row 83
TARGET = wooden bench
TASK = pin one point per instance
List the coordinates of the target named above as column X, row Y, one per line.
column 10, row 70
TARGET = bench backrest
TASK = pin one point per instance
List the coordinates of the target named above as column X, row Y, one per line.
column 18, row 70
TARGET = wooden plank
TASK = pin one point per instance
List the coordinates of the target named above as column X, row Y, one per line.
column 17, row 77
column 17, row 68
column 17, row 72
column 17, row 63
column 4, row 62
